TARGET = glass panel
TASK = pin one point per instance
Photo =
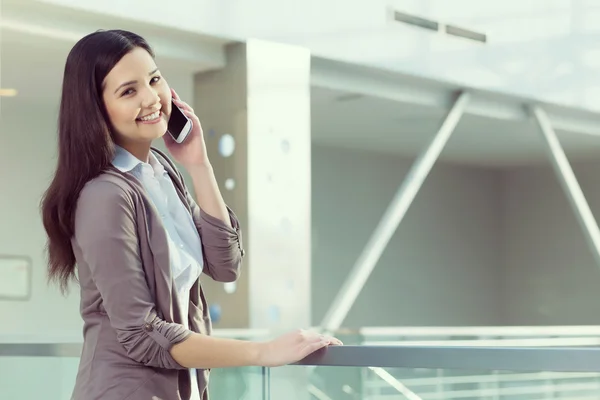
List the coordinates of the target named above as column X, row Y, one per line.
column 237, row 383
column 53, row 378
column 49, row 378
column 352, row 383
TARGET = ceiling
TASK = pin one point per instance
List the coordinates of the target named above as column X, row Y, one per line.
column 36, row 37
column 363, row 122
column 34, row 65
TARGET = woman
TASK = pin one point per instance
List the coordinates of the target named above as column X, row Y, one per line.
column 120, row 211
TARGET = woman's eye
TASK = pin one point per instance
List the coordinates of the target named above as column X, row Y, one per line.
column 130, row 91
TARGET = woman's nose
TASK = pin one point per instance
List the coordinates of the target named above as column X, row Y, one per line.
column 151, row 98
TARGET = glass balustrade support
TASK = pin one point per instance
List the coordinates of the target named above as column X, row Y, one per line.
column 568, row 181
column 266, row 382
column 392, row 217
column 519, row 359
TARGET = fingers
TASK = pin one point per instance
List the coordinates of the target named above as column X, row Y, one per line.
column 335, row 342
column 183, row 105
column 309, row 336
column 318, row 342
column 168, row 139
column 187, row 110
column 313, row 346
column 332, row 341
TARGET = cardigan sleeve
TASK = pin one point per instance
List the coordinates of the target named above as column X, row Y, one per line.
column 221, row 244
column 106, row 238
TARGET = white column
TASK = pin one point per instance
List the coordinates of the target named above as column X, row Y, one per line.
column 260, row 102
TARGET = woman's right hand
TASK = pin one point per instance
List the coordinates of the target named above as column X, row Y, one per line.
column 292, row 347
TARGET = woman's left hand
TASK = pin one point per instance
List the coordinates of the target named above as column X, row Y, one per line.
column 192, row 151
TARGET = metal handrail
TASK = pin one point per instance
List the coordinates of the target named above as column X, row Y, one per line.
column 468, row 358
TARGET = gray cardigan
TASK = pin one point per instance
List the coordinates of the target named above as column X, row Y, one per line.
column 129, row 307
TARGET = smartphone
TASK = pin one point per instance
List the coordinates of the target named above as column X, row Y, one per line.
column 179, row 125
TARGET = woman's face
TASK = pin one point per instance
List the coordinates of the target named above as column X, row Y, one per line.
column 137, row 99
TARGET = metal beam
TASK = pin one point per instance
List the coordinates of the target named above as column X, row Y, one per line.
column 427, row 92
column 569, row 183
column 391, row 219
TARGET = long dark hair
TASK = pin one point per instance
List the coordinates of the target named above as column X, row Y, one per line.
column 85, row 144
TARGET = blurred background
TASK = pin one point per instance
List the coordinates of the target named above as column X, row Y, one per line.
column 407, row 173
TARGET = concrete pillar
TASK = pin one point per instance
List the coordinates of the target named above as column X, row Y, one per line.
column 259, row 107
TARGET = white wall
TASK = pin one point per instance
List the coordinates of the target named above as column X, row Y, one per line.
column 27, row 158
column 476, row 247
column 442, row 266
column 550, row 274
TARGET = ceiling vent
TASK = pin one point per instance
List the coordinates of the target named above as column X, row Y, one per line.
column 437, row 26
column 465, row 33
column 416, row 21
column 348, row 97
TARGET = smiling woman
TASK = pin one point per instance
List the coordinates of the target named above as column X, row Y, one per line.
column 119, row 210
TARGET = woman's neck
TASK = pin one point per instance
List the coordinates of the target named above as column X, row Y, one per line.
column 141, row 151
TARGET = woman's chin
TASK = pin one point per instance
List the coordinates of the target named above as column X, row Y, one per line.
column 154, row 131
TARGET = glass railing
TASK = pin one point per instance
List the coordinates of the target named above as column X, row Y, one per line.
column 434, row 372
column 45, row 370
column 444, row 383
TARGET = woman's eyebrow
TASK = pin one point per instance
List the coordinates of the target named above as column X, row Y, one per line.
column 132, row 82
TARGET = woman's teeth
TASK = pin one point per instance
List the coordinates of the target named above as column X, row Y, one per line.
column 150, row 117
